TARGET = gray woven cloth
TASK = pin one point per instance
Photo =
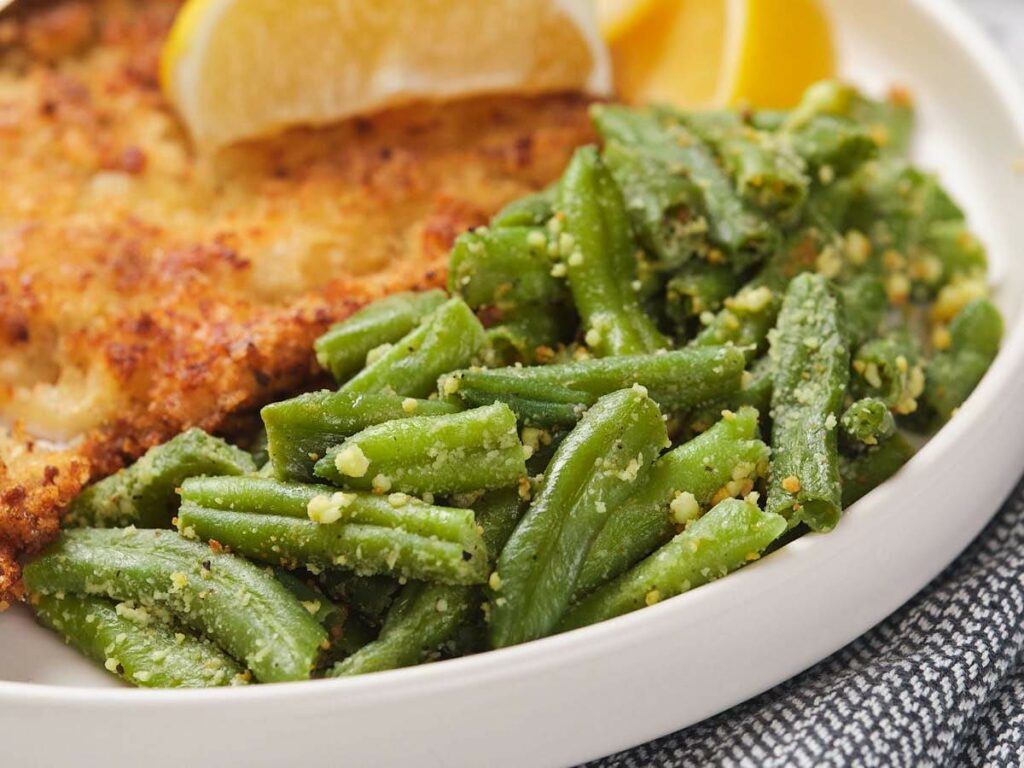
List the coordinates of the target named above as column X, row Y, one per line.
column 938, row 683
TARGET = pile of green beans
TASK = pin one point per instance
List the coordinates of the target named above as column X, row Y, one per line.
column 713, row 334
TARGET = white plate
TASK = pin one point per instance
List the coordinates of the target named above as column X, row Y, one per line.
column 594, row 691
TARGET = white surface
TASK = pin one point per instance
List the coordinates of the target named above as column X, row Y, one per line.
column 604, row 688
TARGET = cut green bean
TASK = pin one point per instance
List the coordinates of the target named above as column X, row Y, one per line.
column 868, row 469
column 507, row 268
column 531, row 338
column 330, row 615
column 532, row 210
column 369, row 596
column 952, row 375
column 426, row 616
column 724, row 461
column 133, row 645
column 302, row 429
column 956, row 252
column 144, row 493
column 866, row 422
column 745, row 235
column 556, row 395
column 394, row 535
column 343, row 349
column 696, row 289
column 266, row 496
column 473, row 450
column 422, row 618
column 363, row 529
column 811, row 360
column 729, row 536
column 866, row 304
column 599, row 465
column 597, row 251
column 662, row 203
column 744, row 321
column 258, row 450
column 832, row 144
column 768, row 174
column 238, row 605
column 755, row 392
column 897, row 205
column 448, row 338
column 889, row 368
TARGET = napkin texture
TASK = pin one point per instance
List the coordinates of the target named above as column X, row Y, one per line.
column 938, row 683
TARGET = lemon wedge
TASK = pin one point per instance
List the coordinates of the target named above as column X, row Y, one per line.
column 616, row 17
column 237, row 69
column 700, row 53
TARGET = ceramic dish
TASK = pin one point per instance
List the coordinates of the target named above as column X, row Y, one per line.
column 586, row 693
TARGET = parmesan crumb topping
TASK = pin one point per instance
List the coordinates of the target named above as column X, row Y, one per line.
column 351, row 461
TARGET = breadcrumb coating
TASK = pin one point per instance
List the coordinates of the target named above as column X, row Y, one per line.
column 145, row 289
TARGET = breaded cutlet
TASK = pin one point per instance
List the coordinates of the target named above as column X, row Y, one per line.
column 145, row 289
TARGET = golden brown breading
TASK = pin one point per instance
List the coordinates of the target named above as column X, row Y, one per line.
column 144, row 289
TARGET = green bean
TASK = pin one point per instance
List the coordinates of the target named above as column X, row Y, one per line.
column 832, row 144
column 597, row 249
column 827, row 97
column 343, row 349
column 698, row 288
column 897, row 204
column 330, row 615
column 866, row 422
column 662, row 203
column 599, row 465
column 141, row 651
column 556, row 395
column 724, row 461
column 355, row 634
column 506, row 274
column 755, row 392
column 258, row 449
column 768, row 174
column 426, row 616
column 468, row 451
column 767, row 119
column 744, row 321
column 239, row 606
column 811, row 356
column 745, row 235
column 369, row 596
column 889, row 368
column 870, row 468
column 532, row 337
column 889, row 122
column 446, row 339
column 422, row 618
column 375, row 535
column 733, row 533
column 955, row 251
column 866, row 304
column 367, row 533
column 952, row 375
column 265, row 495
column 260, row 496
column 507, row 268
column 543, row 443
column 532, row 412
column 300, row 430
column 532, row 210
column 143, row 494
